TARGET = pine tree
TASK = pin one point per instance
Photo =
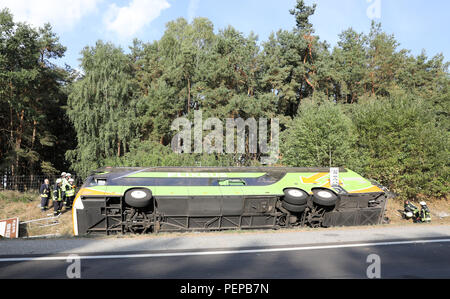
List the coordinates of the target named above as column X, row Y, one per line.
column 32, row 91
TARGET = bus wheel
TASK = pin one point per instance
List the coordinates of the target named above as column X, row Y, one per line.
column 293, row 208
column 324, row 197
column 138, row 198
column 295, row 196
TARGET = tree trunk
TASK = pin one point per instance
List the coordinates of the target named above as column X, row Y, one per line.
column 19, row 137
column 33, row 139
column 11, row 122
column 373, row 84
column 309, row 83
column 189, row 95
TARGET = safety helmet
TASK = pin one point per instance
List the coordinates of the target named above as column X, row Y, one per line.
column 71, row 180
column 58, row 181
column 63, row 174
column 68, row 174
column 422, row 203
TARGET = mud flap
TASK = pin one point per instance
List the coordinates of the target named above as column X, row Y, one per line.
column 371, row 216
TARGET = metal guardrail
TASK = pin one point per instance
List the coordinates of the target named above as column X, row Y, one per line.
column 42, row 222
column 39, row 223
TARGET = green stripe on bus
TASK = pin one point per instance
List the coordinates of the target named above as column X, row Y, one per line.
column 197, row 175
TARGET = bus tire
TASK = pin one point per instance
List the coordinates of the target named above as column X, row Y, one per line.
column 295, row 196
column 293, row 208
column 138, row 198
column 324, row 197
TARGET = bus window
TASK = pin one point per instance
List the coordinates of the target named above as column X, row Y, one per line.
column 231, row 182
column 101, row 182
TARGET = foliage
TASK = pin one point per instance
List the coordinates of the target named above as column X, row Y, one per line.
column 101, row 107
column 365, row 104
column 402, row 145
column 147, row 154
column 321, row 135
column 32, row 96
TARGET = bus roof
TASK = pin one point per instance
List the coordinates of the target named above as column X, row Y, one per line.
column 213, row 169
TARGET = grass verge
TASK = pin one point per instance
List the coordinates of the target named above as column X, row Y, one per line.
column 26, row 206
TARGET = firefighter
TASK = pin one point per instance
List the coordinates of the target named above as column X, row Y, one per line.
column 44, row 192
column 57, row 198
column 64, row 185
column 70, row 194
column 411, row 211
column 425, row 214
column 68, row 177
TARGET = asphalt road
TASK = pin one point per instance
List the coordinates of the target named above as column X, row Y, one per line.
column 404, row 259
column 384, row 252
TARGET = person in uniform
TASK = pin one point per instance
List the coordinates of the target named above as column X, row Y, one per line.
column 57, row 198
column 45, row 194
column 70, row 193
column 425, row 214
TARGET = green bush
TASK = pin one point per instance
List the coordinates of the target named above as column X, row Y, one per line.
column 151, row 153
column 321, row 135
column 401, row 145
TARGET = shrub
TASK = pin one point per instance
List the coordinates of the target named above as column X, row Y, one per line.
column 321, row 135
column 402, row 146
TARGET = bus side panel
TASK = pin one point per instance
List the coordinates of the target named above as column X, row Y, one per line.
column 369, row 216
column 189, row 206
column 91, row 216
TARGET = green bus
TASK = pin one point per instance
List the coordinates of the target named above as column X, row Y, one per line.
column 163, row 199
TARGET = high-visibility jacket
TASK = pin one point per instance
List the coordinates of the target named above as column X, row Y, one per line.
column 425, row 214
column 58, row 193
column 71, row 191
column 65, row 185
column 45, row 190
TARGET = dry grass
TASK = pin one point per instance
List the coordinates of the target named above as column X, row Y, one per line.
column 26, row 206
column 437, row 207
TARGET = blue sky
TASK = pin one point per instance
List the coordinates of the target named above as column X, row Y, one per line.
column 416, row 24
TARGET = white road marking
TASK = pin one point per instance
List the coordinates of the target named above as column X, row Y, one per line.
column 219, row 252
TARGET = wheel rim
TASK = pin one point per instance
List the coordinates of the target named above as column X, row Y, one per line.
column 138, row 194
column 325, row 194
column 296, row 193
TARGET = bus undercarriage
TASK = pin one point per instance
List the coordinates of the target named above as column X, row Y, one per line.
column 112, row 215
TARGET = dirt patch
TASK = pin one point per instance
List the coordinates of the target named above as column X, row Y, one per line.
column 26, row 206
column 438, row 208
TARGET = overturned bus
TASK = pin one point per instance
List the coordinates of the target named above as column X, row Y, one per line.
column 164, row 199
